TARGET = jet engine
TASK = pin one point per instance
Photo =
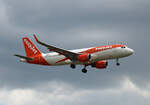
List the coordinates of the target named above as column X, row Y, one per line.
column 100, row 64
column 84, row 57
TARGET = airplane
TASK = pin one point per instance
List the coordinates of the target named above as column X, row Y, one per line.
column 94, row 56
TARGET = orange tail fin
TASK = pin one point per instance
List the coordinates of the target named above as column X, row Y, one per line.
column 30, row 48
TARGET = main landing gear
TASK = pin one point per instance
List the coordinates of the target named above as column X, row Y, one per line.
column 73, row 66
column 117, row 62
column 84, row 70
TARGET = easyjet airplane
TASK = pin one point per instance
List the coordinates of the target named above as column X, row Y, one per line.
column 95, row 56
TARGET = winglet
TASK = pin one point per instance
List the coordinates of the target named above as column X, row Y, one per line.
column 35, row 38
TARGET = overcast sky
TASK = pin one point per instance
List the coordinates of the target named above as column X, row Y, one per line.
column 72, row 24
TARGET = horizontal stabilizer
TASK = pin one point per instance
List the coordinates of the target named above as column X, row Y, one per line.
column 24, row 57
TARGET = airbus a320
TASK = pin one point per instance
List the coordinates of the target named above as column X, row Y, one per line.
column 95, row 56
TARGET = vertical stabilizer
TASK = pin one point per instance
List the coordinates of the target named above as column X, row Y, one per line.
column 30, row 48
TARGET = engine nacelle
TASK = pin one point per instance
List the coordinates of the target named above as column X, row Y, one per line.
column 84, row 57
column 100, row 64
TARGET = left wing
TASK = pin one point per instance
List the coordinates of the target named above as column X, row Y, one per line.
column 71, row 55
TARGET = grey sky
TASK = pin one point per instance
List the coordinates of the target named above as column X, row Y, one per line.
column 73, row 24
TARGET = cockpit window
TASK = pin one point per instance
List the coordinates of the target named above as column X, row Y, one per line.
column 123, row 47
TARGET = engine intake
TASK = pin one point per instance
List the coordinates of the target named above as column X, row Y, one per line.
column 84, row 57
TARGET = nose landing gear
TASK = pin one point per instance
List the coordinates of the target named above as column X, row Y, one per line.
column 117, row 62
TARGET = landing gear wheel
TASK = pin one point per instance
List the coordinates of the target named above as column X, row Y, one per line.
column 73, row 66
column 84, row 70
column 118, row 64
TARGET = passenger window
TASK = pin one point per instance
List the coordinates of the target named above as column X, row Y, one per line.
column 123, row 47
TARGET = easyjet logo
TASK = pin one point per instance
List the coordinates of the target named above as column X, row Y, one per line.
column 32, row 48
column 103, row 48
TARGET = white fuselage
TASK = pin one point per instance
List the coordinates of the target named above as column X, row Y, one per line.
column 114, row 53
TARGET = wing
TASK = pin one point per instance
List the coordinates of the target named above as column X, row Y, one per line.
column 71, row 55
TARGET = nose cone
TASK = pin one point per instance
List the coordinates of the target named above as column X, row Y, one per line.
column 130, row 51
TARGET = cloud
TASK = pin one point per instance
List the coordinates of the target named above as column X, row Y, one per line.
column 59, row 93
column 53, row 15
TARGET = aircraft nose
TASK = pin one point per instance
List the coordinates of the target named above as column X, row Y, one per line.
column 130, row 51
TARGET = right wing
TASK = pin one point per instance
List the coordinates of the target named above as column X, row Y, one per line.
column 71, row 55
